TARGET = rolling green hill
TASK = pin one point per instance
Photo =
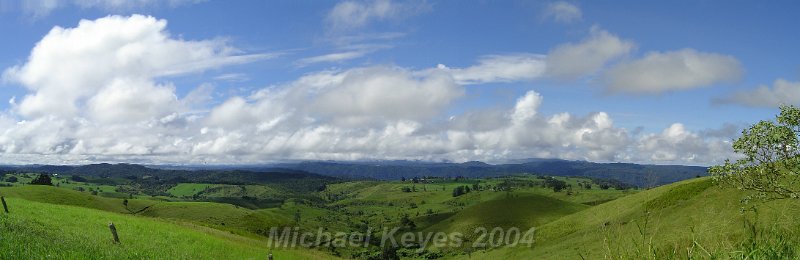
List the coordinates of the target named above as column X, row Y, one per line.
column 63, row 196
column 520, row 211
column 41, row 230
column 690, row 219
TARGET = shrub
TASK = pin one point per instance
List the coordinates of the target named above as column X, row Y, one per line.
column 43, row 179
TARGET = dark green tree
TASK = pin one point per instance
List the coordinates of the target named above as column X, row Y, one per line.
column 458, row 191
column 42, row 179
column 406, row 223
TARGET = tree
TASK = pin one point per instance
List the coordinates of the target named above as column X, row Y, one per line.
column 556, row 184
column 458, row 191
column 43, row 179
column 770, row 163
column 406, row 223
column 11, row 179
column 125, row 203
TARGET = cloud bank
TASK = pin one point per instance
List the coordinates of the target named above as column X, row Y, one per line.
column 101, row 92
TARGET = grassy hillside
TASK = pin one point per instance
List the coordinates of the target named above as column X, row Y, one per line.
column 520, row 211
column 63, row 196
column 693, row 218
column 218, row 215
column 189, row 189
column 39, row 230
column 222, row 216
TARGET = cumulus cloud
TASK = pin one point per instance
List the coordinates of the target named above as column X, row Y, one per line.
column 659, row 72
column 782, row 92
column 675, row 144
column 351, row 14
column 499, row 68
column 563, row 12
column 519, row 131
column 100, row 92
column 573, row 60
column 97, row 90
column 71, row 65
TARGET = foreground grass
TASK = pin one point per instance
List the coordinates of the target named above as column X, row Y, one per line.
column 692, row 219
column 40, row 230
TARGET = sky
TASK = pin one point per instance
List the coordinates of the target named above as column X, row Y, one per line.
column 252, row 82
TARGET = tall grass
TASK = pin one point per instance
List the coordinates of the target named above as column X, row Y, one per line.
column 761, row 242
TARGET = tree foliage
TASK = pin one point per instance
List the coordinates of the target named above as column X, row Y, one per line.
column 43, row 179
column 770, row 158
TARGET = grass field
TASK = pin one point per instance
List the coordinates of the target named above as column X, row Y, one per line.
column 43, row 230
column 689, row 219
column 188, row 189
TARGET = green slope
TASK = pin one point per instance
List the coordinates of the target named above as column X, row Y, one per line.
column 217, row 215
column 63, row 196
column 521, row 210
column 224, row 216
column 692, row 217
column 41, row 230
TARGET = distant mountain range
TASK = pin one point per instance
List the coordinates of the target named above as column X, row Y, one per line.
column 633, row 174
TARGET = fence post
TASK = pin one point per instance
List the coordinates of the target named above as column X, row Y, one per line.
column 5, row 207
column 113, row 231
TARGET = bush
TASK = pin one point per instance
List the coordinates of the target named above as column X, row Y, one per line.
column 43, row 179
column 458, row 191
column 557, row 185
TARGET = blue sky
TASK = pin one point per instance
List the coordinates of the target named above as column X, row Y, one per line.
column 254, row 82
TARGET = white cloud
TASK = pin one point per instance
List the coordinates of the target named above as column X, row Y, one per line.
column 99, row 92
column 71, row 65
column 131, row 100
column 352, row 14
column 499, row 68
column 386, row 93
column 563, row 12
column 347, row 52
column 675, row 144
column 659, row 72
column 783, row 92
column 573, row 60
column 331, row 57
column 233, row 77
